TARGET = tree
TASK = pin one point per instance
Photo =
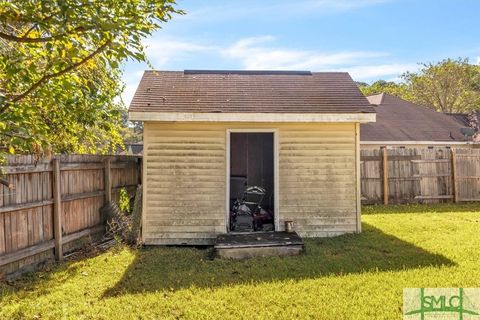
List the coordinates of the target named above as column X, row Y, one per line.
column 132, row 130
column 400, row 90
column 59, row 69
column 448, row 86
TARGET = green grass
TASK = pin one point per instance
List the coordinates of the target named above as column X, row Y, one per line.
column 348, row 277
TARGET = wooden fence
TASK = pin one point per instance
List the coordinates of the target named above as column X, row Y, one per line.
column 52, row 203
column 47, row 206
column 420, row 175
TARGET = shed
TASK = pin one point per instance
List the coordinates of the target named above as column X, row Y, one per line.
column 208, row 135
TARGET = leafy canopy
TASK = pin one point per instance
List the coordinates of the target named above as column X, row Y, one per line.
column 60, row 69
column 447, row 86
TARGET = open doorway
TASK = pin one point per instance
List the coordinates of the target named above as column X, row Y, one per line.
column 252, row 182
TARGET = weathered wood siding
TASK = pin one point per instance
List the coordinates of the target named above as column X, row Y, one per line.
column 185, row 174
column 317, row 178
column 185, row 183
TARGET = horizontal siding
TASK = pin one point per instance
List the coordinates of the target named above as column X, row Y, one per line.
column 185, row 169
column 185, row 180
column 317, row 179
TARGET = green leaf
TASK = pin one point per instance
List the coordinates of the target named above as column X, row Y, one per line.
column 68, row 83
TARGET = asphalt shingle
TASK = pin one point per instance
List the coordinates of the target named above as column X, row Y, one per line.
column 400, row 120
column 210, row 91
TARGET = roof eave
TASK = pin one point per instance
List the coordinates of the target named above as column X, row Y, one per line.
column 251, row 117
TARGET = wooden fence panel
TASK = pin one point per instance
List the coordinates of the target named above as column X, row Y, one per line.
column 403, row 183
column 435, row 175
column 468, row 174
column 371, row 176
column 125, row 175
column 21, row 226
column 420, row 175
column 27, row 210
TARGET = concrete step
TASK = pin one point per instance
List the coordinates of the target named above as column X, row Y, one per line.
column 258, row 244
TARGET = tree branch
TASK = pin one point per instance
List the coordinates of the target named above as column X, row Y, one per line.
column 35, row 24
column 4, row 107
column 10, row 37
column 26, row 39
column 25, row 35
column 12, row 134
column 7, row 183
column 61, row 72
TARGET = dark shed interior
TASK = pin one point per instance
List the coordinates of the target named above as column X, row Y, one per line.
column 252, row 164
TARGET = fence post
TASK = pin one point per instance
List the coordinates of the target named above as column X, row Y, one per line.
column 454, row 176
column 57, row 209
column 108, row 181
column 385, row 176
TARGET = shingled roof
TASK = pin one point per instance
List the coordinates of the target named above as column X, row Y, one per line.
column 400, row 120
column 209, row 91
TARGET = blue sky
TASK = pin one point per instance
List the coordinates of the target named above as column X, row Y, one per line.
column 371, row 39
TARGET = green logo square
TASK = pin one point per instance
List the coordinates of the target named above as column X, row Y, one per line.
column 441, row 303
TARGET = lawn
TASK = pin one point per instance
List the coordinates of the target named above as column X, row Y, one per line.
column 347, row 277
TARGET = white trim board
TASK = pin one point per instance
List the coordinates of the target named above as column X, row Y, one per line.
column 251, row 117
column 276, row 193
column 358, row 179
column 144, row 185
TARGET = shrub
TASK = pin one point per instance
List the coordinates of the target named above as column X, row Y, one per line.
column 124, row 201
column 124, row 226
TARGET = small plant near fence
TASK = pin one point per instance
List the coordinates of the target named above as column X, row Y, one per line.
column 124, row 201
column 123, row 220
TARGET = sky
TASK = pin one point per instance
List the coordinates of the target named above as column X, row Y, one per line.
column 370, row 39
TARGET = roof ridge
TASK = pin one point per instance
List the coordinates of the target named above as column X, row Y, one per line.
column 250, row 72
column 247, row 72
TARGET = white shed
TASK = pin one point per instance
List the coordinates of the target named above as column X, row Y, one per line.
column 209, row 135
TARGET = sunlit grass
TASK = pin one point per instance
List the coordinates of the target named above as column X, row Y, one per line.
column 348, row 277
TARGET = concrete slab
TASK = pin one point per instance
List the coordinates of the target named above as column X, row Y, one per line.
column 258, row 244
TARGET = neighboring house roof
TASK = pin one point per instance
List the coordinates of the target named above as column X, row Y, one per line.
column 131, row 148
column 136, row 148
column 462, row 118
column 471, row 119
column 375, row 99
column 208, row 91
column 400, row 120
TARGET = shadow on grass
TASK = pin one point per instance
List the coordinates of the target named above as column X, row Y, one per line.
column 173, row 268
